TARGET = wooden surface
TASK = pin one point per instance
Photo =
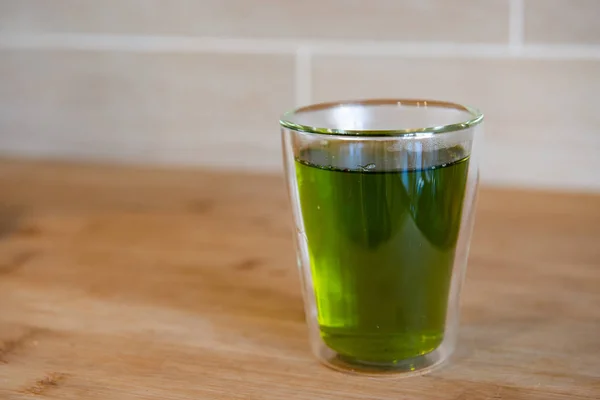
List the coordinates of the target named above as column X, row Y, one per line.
column 118, row 283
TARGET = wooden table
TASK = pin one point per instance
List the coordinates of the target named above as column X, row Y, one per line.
column 121, row 283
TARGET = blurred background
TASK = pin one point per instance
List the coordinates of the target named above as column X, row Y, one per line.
column 203, row 82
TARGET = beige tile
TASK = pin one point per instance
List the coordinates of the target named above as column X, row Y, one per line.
column 562, row 21
column 406, row 20
column 542, row 124
column 202, row 109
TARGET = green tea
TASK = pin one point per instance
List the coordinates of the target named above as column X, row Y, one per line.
column 381, row 244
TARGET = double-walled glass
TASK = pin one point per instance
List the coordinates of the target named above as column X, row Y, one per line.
column 383, row 194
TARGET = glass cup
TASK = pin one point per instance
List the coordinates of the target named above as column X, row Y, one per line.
column 383, row 194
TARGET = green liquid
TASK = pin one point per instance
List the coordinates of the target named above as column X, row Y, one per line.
column 381, row 247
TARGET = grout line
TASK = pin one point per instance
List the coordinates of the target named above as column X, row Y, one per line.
column 303, row 77
column 301, row 49
column 427, row 50
column 145, row 44
column 559, row 52
column 516, row 25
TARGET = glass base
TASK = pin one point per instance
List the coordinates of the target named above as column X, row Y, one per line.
column 415, row 366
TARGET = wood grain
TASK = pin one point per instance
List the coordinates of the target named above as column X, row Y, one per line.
column 121, row 283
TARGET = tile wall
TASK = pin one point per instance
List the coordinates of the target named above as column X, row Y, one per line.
column 202, row 82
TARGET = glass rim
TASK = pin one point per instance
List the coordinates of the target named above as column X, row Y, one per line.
column 476, row 118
